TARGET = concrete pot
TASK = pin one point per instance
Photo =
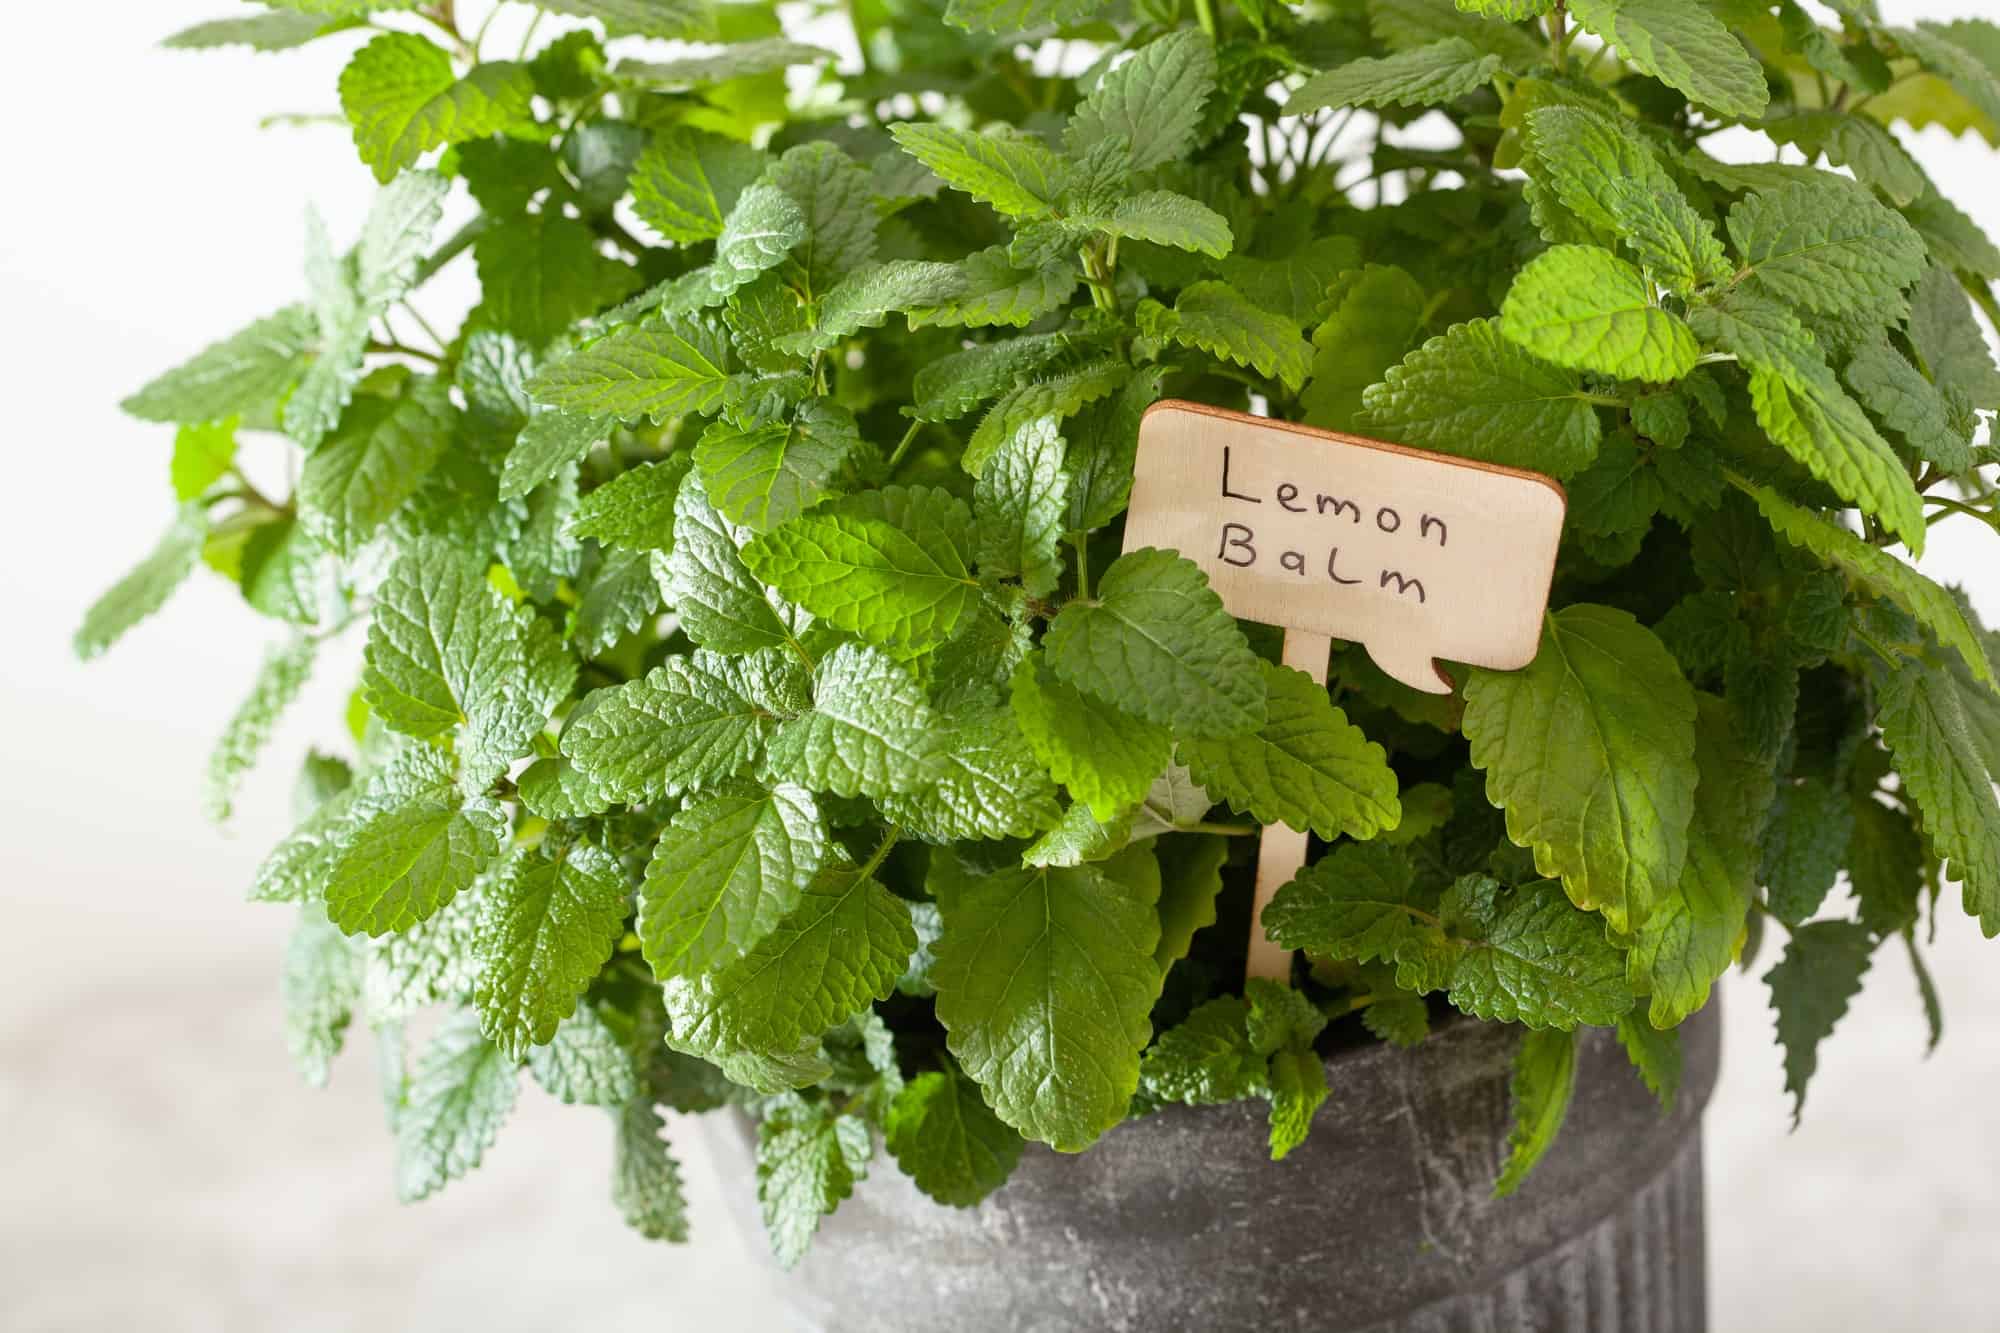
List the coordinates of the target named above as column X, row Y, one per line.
column 1383, row 1221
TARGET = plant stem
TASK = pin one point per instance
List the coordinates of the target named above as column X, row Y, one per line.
column 889, row 840
column 1221, row 830
column 1204, row 12
column 1082, row 541
column 461, row 241
column 399, row 349
column 1948, row 507
column 529, row 36
column 423, row 323
column 903, row 445
column 479, row 37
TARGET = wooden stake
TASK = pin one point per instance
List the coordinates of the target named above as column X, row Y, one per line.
column 1281, row 852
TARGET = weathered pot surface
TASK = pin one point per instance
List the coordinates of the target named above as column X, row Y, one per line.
column 1383, row 1221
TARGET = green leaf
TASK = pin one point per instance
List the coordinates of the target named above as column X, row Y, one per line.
column 372, row 462
column 993, row 291
column 889, row 565
column 686, row 182
column 622, row 594
column 1472, row 393
column 1926, row 719
column 246, row 375
column 549, row 923
column 442, row 645
column 1810, row 988
column 763, row 227
column 550, row 442
column 146, row 589
column 463, row 1089
column 1591, row 750
column 1360, row 904
column 684, row 725
column 986, row 783
column 1045, row 978
column 1533, row 958
column 1376, row 314
column 737, row 60
column 1544, row 1081
column 1829, row 247
column 321, row 985
column 1858, row 143
column 1399, row 1018
column 1297, row 1089
column 727, row 870
column 870, row 731
column 808, row 1160
column 1656, row 1055
column 835, row 198
column 948, row 388
column 1020, row 500
column 539, row 275
column 1691, row 938
column 1804, row 843
column 1013, row 172
column 842, row 947
column 635, row 509
column 946, row 1139
column 406, row 863
column 1912, row 406
column 1583, row 307
column 1300, row 283
column 1423, row 76
column 585, row 1062
column 203, row 455
column 693, row 20
column 1166, row 218
column 1017, row 15
column 764, row 475
column 1206, row 1059
column 1060, row 395
column 865, row 298
column 720, row 605
column 1154, row 101
column 279, row 680
column 404, row 99
column 1306, row 766
column 1216, row 319
column 1803, row 409
column 1106, row 758
column 645, row 1179
column 259, row 32
column 1683, row 45
column 678, row 366
column 1880, row 573
column 1156, row 642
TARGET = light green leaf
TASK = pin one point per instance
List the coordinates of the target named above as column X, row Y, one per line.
column 539, row 275
column 1423, row 76
column 1810, row 988
column 1532, row 957
column 995, row 292
column 720, row 605
column 1590, row 748
column 259, row 32
column 727, row 870
column 1060, row 395
column 645, row 1179
column 321, row 985
column 837, row 201
column 1189, row 883
column 1020, row 501
column 635, row 509
column 146, row 589
column 463, row 1089
column 551, row 441
column 866, row 297
column 1683, row 45
column 548, row 925
column 1297, row 1089
column 889, row 565
column 404, row 99
column 677, row 366
column 242, row 742
column 1107, row 759
column 986, row 783
column 686, row 182
column 372, row 462
column 1925, row 716
column 406, row 863
column 442, row 645
column 586, row 1063
column 808, row 1160
column 692, row 20
column 1829, row 247
column 246, row 375
column 1013, row 172
column 1166, row 218
column 948, row 388
column 1016, row 15
column 738, row 60
column 870, row 732
column 1472, row 393
column 1045, row 978
column 1213, row 317
column 1375, row 317
column 763, row 227
column 1583, row 307
column 1858, row 143
column 622, row 594
column 764, row 475
column 946, row 1139
column 683, row 726
column 1903, row 400
column 1154, row 100
column 1156, row 641
column 203, row 454
column 1544, row 1081
column 1306, row 766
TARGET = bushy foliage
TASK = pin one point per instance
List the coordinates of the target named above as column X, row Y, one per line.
column 758, row 710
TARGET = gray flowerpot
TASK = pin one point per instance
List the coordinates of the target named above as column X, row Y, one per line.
column 1384, row 1220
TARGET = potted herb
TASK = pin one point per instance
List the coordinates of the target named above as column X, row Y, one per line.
column 761, row 715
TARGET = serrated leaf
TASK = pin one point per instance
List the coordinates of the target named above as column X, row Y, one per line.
column 889, row 565
column 435, row 961
column 442, row 645
column 1591, row 750
column 1361, row 904
column 1297, row 1089
column 1810, row 988
column 321, row 986
column 461, row 1093
column 586, row 1063
column 870, row 732
column 1847, row 140
column 763, row 227
column 835, row 199
column 1532, row 958
column 727, row 870
column 1375, row 316
column 1045, row 978
column 1583, row 307
column 1805, row 412
column 679, row 365
column 279, row 680
column 946, row 1139
column 645, row 1179
column 1013, row 172
column 1107, row 759
column 1880, row 573
column 1472, row 393
column 622, row 594
column 1020, row 501
column 1926, row 719
column 950, row 387
column 146, row 588
column 548, row 925
column 1166, row 218
column 404, row 99
column 1423, row 76
column 635, row 509
column 1804, row 843
column 1189, row 884
column 406, row 863
column 1154, row 101
column 693, row 20
column 1828, row 247
column 683, row 726
column 765, row 475
column 373, row 461
column 1306, row 766
column 986, row 783
column 808, row 1160
column 539, row 275
column 866, row 297
column 1215, row 318
column 1544, row 1080
column 1016, row 15
column 1157, row 642
column 1206, row 1059
column 720, row 605
column 737, row 60
column 551, row 441
column 1683, row 45
column 686, row 182
column 1059, row 395
column 259, row 32
column 1907, row 403
column 1691, row 938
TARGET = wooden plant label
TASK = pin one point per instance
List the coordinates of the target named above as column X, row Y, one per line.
column 1413, row 554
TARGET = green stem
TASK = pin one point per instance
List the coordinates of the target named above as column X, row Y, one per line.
column 1204, row 12
column 903, row 445
column 1082, row 542
column 1221, row 830
column 398, row 349
column 423, row 324
column 1948, row 507
column 889, row 840
column 461, row 241
column 1603, row 400
column 529, row 36
column 479, row 37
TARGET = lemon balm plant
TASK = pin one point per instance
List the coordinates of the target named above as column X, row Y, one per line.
column 757, row 709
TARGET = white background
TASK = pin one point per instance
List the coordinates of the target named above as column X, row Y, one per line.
column 162, row 1168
